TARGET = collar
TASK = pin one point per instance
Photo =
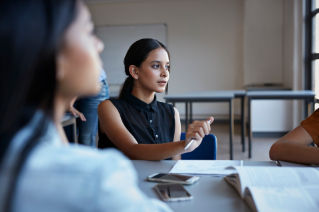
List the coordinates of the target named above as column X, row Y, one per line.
column 140, row 105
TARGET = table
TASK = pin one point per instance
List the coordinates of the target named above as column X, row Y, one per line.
column 306, row 95
column 213, row 96
column 211, row 193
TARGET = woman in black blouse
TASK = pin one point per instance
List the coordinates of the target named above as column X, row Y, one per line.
column 137, row 123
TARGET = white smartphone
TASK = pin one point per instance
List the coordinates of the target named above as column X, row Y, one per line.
column 172, row 178
column 172, row 192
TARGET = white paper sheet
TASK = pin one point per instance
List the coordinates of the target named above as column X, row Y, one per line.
column 209, row 167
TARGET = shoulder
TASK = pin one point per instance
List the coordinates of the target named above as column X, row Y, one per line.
column 73, row 165
column 83, row 170
column 106, row 103
column 76, row 157
column 107, row 106
column 51, row 155
column 117, row 103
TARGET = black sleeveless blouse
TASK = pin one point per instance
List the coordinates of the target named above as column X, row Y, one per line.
column 152, row 123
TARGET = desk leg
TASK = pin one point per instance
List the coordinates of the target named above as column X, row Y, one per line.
column 306, row 107
column 231, row 129
column 75, row 137
column 242, row 103
column 190, row 112
column 249, row 128
column 310, row 107
column 186, row 116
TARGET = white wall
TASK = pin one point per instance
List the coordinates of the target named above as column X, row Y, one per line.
column 214, row 44
column 263, row 30
column 204, row 39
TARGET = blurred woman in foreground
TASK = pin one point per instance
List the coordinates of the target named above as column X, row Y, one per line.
column 48, row 56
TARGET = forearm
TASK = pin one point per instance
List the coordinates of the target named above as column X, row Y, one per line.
column 293, row 152
column 154, row 151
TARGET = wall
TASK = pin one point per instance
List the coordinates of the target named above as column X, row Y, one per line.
column 263, row 48
column 217, row 44
column 273, row 53
column 204, row 39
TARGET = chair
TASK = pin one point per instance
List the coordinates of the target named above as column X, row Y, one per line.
column 206, row 151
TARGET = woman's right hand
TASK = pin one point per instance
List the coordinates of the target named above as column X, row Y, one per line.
column 196, row 131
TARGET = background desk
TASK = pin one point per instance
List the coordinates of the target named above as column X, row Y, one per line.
column 307, row 96
column 210, row 193
column 213, row 96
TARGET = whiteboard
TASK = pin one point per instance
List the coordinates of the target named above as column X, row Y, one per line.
column 117, row 40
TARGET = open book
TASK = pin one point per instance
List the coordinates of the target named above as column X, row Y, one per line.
column 277, row 188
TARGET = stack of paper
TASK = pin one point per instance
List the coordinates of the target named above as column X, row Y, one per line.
column 211, row 167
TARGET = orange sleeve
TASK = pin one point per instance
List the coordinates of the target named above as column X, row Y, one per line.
column 311, row 125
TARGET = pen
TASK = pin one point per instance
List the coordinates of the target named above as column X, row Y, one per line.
column 189, row 144
column 193, row 139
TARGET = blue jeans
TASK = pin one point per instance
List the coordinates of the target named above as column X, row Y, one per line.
column 88, row 106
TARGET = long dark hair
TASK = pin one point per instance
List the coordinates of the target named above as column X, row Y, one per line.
column 31, row 35
column 136, row 55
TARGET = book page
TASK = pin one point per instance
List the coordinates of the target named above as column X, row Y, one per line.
column 233, row 180
column 277, row 176
column 283, row 198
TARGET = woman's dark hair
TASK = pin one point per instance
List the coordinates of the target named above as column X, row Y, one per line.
column 31, row 35
column 136, row 55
